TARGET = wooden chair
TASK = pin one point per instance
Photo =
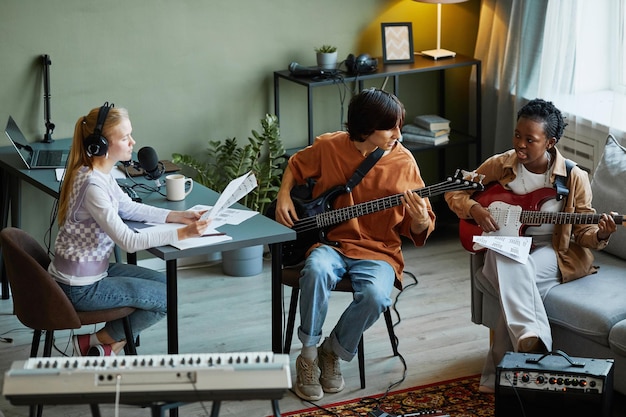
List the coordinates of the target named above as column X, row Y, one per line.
column 38, row 301
column 291, row 278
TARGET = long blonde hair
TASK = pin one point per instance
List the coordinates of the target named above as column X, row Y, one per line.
column 78, row 156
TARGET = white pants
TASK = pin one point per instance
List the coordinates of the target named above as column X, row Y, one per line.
column 521, row 289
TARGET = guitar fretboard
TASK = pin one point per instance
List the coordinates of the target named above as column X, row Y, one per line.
column 546, row 217
column 336, row 216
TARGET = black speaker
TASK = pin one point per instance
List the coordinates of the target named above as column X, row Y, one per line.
column 96, row 144
column 554, row 385
column 362, row 64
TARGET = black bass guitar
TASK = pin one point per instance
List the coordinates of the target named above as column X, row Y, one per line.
column 317, row 216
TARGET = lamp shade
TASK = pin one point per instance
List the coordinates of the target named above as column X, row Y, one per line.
column 440, row 1
column 439, row 53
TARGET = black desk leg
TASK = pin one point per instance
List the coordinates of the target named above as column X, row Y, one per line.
column 172, row 313
column 95, row 410
column 277, row 298
column 215, row 410
column 172, row 306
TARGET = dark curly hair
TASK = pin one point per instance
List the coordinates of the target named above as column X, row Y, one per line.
column 545, row 112
column 373, row 109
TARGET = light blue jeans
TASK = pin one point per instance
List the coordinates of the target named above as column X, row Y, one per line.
column 126, row 286
column 372, row 282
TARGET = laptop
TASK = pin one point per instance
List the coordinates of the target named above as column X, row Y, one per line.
column 34, row 158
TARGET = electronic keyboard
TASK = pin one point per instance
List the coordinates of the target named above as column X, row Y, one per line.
column 146, row 378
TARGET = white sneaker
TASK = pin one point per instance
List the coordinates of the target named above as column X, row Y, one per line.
column 331, row 377
column 308, row 379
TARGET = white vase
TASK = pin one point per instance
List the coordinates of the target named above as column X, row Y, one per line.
column 327, row 60
column 243, row 262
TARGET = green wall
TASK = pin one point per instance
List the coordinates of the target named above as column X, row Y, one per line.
column 193, row 70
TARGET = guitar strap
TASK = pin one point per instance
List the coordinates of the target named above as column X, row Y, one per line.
column 365, row 166
column 560, row 182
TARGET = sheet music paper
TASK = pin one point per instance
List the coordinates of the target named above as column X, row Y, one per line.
column 514, row 247
column 234, row 191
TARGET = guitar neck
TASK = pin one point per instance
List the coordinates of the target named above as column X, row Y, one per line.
column 547, row 217
column 342, row 214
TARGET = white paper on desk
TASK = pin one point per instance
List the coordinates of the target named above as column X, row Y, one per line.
column 515, row 247
column 227, row 216
column 210, row 236
column 234, row 191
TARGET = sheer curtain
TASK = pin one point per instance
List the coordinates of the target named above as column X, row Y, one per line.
column 508, row 43
column 566, row 51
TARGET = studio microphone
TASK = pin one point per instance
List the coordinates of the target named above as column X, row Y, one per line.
column 149, row 161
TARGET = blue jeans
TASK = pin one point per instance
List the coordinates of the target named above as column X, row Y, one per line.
column 126, row 286
column 372, row 282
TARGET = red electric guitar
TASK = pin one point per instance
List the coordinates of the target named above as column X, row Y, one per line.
column 515, row 212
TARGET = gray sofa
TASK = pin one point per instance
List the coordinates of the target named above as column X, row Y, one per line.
column 588, row 315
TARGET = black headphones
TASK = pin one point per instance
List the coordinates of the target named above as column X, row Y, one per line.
column 96, row 144
column 362, row 64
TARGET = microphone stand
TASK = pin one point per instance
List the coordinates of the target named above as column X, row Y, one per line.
column 46, row 98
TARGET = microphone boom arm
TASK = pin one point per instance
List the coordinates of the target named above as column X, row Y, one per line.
column 46, row 98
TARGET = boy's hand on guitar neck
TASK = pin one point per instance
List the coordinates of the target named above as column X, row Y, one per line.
column 606, row 226
column 285, row 210
column 483, row 218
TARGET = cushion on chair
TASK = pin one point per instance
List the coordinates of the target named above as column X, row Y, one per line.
column 592, row 305
column 608, row 190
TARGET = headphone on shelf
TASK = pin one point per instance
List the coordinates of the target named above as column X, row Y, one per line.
column 362, row 64
column 96, row 144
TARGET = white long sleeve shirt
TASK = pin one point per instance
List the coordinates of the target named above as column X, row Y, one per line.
column 95, row 223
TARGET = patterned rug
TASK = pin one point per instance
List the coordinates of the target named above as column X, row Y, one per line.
column 456, row 398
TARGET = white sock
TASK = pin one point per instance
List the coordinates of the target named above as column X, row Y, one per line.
column 309, row 352
column 93, row 340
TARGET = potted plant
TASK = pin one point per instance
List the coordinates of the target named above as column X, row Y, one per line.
column 226, row 160
column 326, row 56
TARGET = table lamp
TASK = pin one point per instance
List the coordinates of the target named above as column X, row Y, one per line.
column 439, row 53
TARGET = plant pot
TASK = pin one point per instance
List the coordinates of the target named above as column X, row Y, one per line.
column 327, row 60
column 243, row 262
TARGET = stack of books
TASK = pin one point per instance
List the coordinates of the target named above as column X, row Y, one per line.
column 429, row 129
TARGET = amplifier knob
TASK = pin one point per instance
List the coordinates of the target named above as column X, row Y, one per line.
column 559, row 381
column 567, row 382
column 592, row 384
column 541, row 379
column 552, row 380
column 525, row 378
column 583, row 382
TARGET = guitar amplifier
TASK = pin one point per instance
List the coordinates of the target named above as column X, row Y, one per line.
column 553, row 384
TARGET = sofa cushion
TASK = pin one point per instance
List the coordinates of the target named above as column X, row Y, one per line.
column 617, row 338
column 607, row 186
column 592, row 305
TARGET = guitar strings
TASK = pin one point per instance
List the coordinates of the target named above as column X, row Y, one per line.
column 346, row 213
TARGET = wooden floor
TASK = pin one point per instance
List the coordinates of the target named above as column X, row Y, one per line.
column 219, row 313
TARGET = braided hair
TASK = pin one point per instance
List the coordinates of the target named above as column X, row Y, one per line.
column 545, row 112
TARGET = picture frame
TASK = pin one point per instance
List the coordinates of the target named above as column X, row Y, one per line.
column 397, row 42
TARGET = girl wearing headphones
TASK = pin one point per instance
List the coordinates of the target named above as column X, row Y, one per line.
column 92, row 210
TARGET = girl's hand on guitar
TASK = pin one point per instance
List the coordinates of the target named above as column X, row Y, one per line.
column 606, row 226
column 483, row 218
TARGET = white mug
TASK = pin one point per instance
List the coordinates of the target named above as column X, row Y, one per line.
column 175, row 185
